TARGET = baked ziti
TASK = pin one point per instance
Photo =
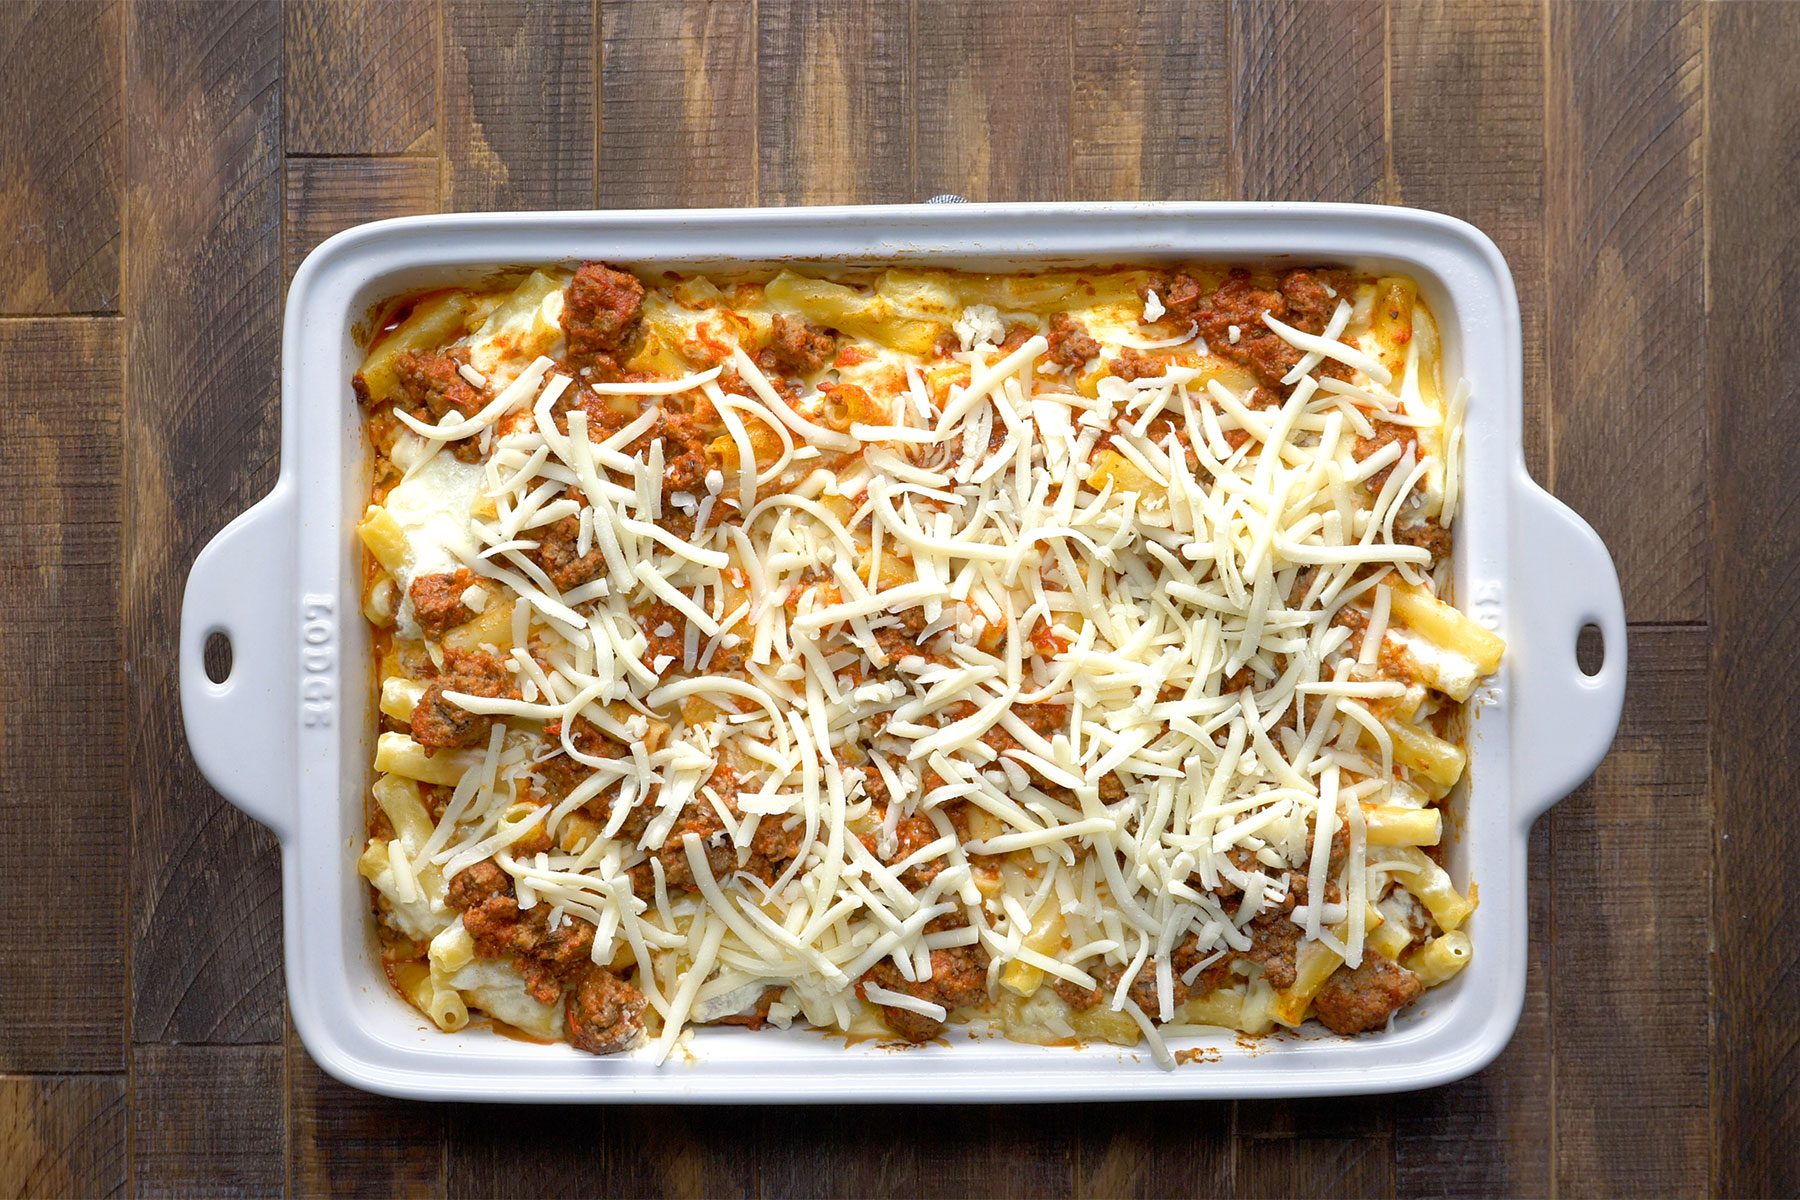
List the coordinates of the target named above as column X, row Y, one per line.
column 1063, row 655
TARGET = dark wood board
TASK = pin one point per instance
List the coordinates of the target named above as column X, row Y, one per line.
column 62, row 461
column 628, row 1151
column 1321, row 1167
column 1151, row 81
column 63, row 1135
column 979, row 87
column 360, row 78
column 168, row 165
column 328, row 195
column 62, row 154
column 1753, row 390
column 678, row 86
column 202, row 313
column 835, row 103
column 1632, row 856
column 1465, row 85
column 1624, row 235
column 206, row 1120
column 519, row 117
column 1308, row 101
column 342, row 1142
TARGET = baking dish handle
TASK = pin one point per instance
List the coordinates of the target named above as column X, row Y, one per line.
column 1565, row 719
column 239, row 729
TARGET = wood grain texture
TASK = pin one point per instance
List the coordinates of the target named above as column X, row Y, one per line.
column 1151, row 1150
column 61, row 155
column 1296, row 1167
column 678, row 88
column 492, row 1150
column 328, row 195
column 1150, row 102
column 1466, row 86
column 63, row 1136
column 1628, row 969
column 206, row 1120
column 691, row 1154
column 1753, row 384
column 624, row 1151
column 203, row 298
column 1326, row 1118
column 342, row 1142
column 1308, row 115
column 849, row 1151
column 945, row 1151
column 60, row 463
column 1627, row 325
column 835, row 102
column 360, row 77
column 993, row 108
column 519, row 116
column 993, row 1150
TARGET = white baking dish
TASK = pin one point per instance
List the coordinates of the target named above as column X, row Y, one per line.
column 287, row 737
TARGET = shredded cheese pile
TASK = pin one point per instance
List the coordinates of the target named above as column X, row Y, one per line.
column 1174, row 594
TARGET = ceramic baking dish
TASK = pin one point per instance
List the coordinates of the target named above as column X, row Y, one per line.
column 287, row 736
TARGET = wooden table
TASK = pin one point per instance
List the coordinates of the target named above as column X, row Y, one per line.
column 164, row 166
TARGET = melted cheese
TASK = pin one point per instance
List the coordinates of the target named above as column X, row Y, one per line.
column 498, row 990
column 433, row 506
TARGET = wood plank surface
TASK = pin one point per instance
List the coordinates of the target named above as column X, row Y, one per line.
column 62, row 153
column 947, row 1150
column 835, row 103
column 994, row 1150
column 1145, row 1150
column 1301, row 1167
column 206, row 1120
column 1328, row 1117
column 171, row 163
column 202, row 332
column 678, row 85
column 627, row 1151
column 360, row 77
column 993, row 110
column 1628, row 967
column 60, row 466
column 519, row 113
column 1466, row 86
column 846, row 1153
column 1150, row 101
column 1753, row 384
column 1626, row 326
column 328, row 195
column 651, row 1151
column 342, row 1142
column 1309, row 117
column 63, row 1135
column 493, row 1150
